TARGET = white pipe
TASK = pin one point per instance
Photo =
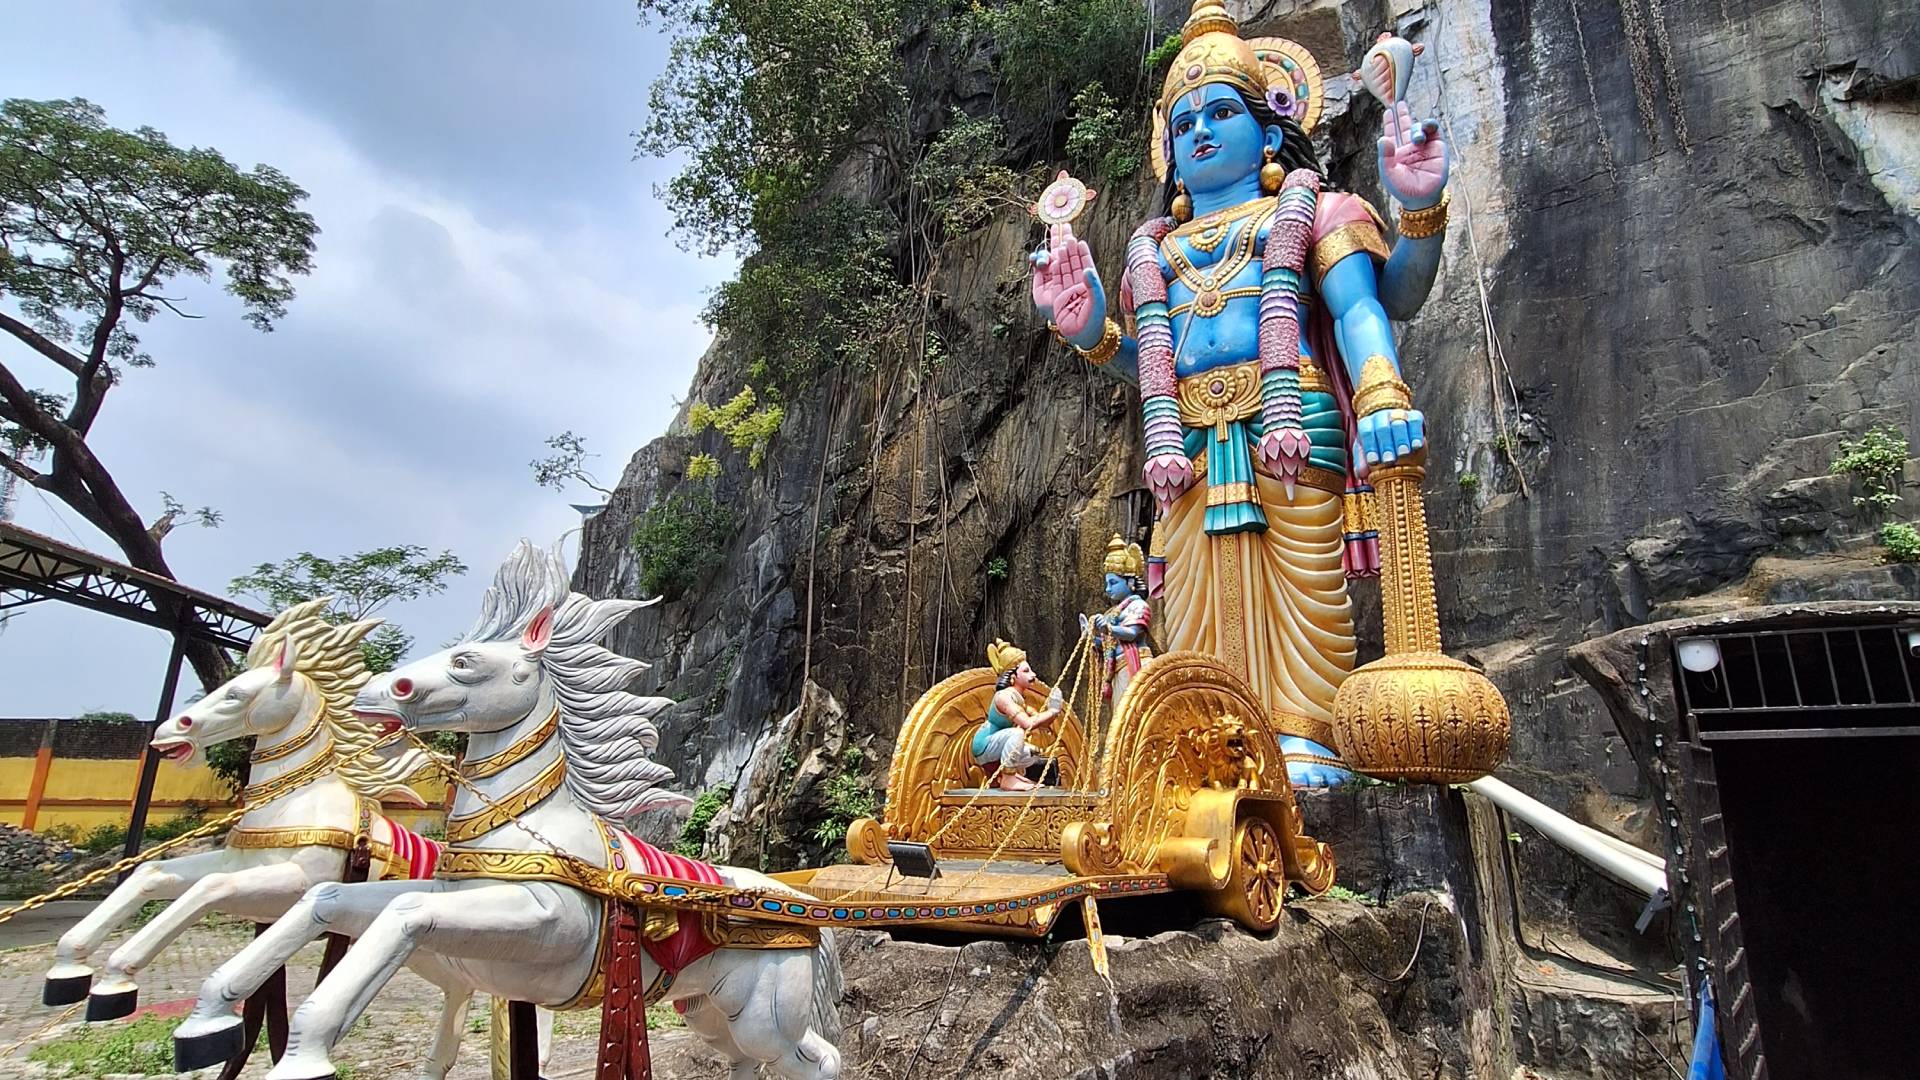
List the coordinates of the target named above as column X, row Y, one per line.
column 1617, row 859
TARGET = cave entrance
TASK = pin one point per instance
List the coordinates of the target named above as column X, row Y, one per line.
column 1806, row 763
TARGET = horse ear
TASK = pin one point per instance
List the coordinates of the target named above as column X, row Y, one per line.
column 289, row 656
column 539, row 631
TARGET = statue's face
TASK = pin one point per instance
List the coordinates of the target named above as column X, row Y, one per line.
column 1117, row 587
column 1216, row 140
column 1023, row 675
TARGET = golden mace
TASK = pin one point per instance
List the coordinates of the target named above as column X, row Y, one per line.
column 1414, row 714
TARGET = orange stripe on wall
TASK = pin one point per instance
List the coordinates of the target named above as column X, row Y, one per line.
column 42, row 764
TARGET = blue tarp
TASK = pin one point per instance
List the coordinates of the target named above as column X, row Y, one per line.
column 1706, row 1043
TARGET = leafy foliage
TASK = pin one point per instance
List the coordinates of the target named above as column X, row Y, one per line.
column 1899, row 542
column 360, row 584
column 746, row 428
column 1875, row 461
column 1101, row 143
column 997, row 569
column 1050, row 49
column 91, row 213
column 567, row 462
column 693, row 835
column 109, row 717
column 1156, row 62
column 961, row 176
column 821, row 292
column 764, row 97
column 845, row 798
column 679, row 540
column 703, row 467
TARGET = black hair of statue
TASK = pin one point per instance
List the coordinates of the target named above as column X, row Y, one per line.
column 1006, row 678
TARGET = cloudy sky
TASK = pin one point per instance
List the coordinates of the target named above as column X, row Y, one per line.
column 492, row 269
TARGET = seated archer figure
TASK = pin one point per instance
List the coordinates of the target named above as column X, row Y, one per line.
column 1000, row 744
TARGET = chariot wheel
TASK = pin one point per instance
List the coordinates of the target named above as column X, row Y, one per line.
column 1253, row 894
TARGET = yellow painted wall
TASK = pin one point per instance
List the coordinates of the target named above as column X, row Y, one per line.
column 83, row 793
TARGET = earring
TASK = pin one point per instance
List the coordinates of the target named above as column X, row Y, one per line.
column 1182, row 203
column 1271, row 174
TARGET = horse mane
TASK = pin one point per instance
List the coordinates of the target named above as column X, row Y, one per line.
column 328, row 655
column 607, row 734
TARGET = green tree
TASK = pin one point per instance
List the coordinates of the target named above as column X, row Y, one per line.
column 764, row 97
column 96, row 225
column 679, row 540
column 361, row 585
column 567, row 462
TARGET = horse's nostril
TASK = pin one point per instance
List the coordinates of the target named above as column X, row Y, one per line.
column 402, row 689
column 186, row 722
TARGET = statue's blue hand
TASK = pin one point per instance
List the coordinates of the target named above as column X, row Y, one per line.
column 1391, row 434
column 1312, row 774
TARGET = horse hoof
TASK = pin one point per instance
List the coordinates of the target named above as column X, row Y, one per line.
column 215, row 1047
column 111, row 1006
column 66, row 990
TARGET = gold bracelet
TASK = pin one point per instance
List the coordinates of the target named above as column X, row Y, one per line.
column 1423, row 223
column 1104, row 350
column 1380, row 388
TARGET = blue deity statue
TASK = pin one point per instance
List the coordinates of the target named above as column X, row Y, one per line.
column 1256, row 323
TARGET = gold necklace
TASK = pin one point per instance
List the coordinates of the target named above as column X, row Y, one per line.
column 464, row 827
column 1209, row 299
column 275, row 753
column 269, row 790
column 1206, row 233
column 492, row 764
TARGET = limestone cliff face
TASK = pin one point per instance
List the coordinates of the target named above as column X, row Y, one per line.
column 1686, row 225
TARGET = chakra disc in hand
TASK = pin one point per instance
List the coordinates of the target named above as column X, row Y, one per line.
column 1063, row 201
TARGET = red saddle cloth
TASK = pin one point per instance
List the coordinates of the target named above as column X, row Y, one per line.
column 689, row 943
column 415, row 852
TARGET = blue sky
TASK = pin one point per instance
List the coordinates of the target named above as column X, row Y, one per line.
column 492, row 268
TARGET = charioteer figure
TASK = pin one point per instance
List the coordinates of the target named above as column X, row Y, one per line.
column 1120, row 634
column 1000, row 745
column 1256, row 323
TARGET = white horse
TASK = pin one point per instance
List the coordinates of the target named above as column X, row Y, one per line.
column 559, row 749
column 316, row 778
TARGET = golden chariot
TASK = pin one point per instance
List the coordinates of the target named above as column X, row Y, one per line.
column 1185, row 789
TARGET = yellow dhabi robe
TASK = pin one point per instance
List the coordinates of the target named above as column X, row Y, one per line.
column 1271, row 605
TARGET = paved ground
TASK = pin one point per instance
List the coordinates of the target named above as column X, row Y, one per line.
column 389, row 1042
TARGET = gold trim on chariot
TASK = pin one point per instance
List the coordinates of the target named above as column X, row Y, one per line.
column 475, row 825
column 493, row 764
column 269, row 790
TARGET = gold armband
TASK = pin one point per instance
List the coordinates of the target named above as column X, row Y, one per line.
column 1380, row 388
column 1431, row 221
column 1104, row 350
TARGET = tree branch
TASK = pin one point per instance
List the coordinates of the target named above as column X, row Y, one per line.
column 42, row 344
column 20, row 469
